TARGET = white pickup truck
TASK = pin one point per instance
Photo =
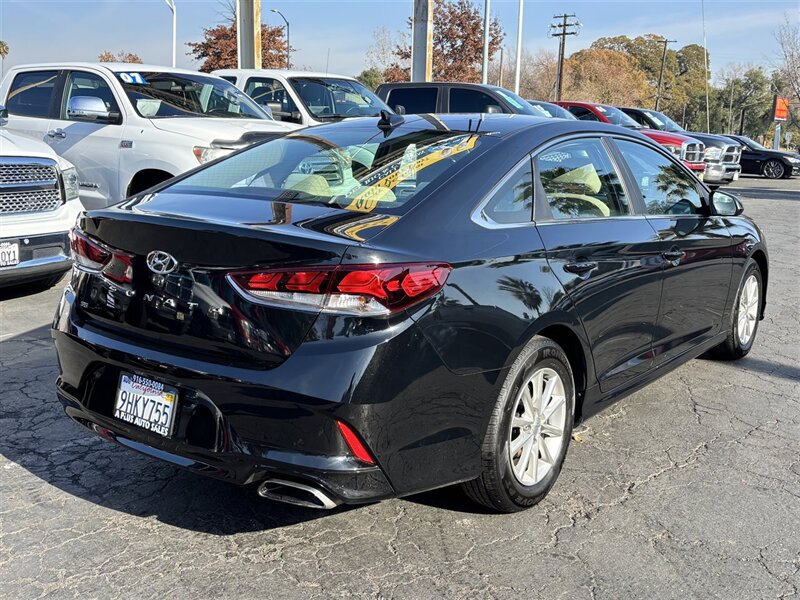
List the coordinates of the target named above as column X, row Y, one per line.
column 38, row 206
column 128, row 127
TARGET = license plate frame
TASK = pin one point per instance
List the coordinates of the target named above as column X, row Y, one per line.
column 143, row 402
column 11, row 249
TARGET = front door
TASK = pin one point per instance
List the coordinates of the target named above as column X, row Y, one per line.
column 92, row 146
column 604, row 255
column 695, row 249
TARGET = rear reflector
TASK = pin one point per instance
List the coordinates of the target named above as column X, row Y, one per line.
column 368, row 290
column 356, row 446
column 89, row 254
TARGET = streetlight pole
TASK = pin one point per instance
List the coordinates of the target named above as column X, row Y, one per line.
column 519, row 48
column 666, row 42
column 173, row 8
column 485, row 61
column 285, row 20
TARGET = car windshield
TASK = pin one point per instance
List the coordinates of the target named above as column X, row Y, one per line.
column 663, row 122
column 359, row 169
column 752, row 143
column 552, row 111
column 520, row 106
column 617, row 117
column 157, row 95
column 330, row 98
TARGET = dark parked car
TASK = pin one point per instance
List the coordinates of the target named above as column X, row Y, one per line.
column 451, row 97
column 374, row 308
column 760, row 160
column 553, row 111
column 721, row 155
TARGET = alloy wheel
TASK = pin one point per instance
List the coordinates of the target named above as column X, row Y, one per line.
column 774, row 169
column 748, row 310
column 536, row 432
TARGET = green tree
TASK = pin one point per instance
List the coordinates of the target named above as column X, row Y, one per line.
column 371, row 78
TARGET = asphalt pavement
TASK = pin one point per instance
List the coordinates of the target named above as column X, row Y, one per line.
column 689, row 488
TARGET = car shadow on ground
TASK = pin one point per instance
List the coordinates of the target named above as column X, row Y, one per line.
column 13, row 292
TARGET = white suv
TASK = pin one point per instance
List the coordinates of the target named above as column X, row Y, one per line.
column 38, row 206
column 128, row 127
column 304, row 97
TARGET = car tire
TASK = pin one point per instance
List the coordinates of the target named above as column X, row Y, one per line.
column 743, row 326
column 514, row 479
column 773, row 169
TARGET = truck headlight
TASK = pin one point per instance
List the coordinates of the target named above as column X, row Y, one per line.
column 205, row 154
column 676, row 150
column 72, row 186
column 712, row 153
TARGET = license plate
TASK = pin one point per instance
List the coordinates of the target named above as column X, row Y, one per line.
column 736, row 176
column 9, row 254
column 145, row 403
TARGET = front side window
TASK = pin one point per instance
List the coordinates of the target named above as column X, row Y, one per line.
column 470, row 101
column 616, row 117
column 667, row 189
column 513, row 201
column 158, row 95
column 267, row 91
column 331, row 99
column 415, row 100
column 358, row 169
column 580, row 181
column 80, row 83
column 31, row 93
column 583, row 114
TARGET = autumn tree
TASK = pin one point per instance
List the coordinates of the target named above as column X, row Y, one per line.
column 605, row 76
column 3, row 49
column 457, row 44
column 218, row 49
column 121, row 57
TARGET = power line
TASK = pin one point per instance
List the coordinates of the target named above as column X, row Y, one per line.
column 561, row 29
column 666, row 42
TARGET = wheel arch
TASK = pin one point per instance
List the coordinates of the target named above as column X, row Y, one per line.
column 577, row 355
column 763, row 265
column 146, row 178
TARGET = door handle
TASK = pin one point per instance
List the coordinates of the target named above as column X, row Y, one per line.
column 57, row 133
column 580, row 267
column 673, row 254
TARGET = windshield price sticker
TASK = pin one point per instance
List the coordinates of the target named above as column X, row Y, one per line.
column 133, row 78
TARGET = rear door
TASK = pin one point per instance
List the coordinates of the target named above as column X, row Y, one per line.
column 31, row 100
column 694, row 247
column 603, row 253
column 93, row 146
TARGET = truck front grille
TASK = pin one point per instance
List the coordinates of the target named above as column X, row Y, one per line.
column 732, row 154
column 29, row 185
column 694, row 152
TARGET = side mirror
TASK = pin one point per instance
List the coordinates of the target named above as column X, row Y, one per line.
column 88, row 108
column 3, row 116
column 492, row 109
column 267, row 109
column 726, row 205
column 399, row 109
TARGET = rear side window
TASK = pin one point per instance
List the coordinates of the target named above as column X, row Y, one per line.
column 580, row 181
column 667, row 189
column 583, row 114
column 470, row 101
column 30, row 94
column 418, row 100
column 513, row 201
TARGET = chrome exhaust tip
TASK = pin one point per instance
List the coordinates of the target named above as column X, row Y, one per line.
column 298, row 494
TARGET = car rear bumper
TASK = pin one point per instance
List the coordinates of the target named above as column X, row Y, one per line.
column 40, row 256
column 422, row 423
column 722, row 172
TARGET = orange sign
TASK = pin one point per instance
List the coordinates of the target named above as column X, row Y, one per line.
column 781, row 108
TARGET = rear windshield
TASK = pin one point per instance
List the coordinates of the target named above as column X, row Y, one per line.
column 357, row 169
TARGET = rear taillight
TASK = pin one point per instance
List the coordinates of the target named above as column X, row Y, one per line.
column 90, row 255
column 355, row 444
column 350, row 289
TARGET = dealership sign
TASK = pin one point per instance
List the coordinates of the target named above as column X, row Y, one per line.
column 780, row 108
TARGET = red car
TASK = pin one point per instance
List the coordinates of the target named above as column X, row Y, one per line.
column 688, row 149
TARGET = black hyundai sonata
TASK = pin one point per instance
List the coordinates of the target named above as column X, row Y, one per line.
column 378, row 307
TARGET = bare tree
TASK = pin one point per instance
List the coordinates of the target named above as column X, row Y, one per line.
column 381, row 53
column 788, row 37
column 537, row 73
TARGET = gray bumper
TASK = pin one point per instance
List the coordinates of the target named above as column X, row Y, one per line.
column 721, row 172
column 39, row 257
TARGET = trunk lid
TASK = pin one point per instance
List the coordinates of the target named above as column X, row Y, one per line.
column 193, row 310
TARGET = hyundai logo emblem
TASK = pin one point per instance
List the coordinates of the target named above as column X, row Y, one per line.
column 161, row 263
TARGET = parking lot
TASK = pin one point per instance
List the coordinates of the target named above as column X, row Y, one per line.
column 688, row 488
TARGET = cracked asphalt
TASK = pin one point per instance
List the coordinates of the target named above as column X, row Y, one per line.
column 689, row 488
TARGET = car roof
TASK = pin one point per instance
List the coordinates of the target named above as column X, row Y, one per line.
column 282, row 73
column 109, row 66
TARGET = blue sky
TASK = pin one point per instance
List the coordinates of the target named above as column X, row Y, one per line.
column 44, row 30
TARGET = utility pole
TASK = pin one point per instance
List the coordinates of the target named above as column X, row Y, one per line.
column 519, row 48
column 705, row 63
column 422, row 41
column 666, row 42
column 500, row 78
column 730, row 108
column 486, row 23
column 561, row 30
column 248, row 33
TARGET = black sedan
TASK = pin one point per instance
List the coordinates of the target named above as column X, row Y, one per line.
column 760, row 160
column 373, row 308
